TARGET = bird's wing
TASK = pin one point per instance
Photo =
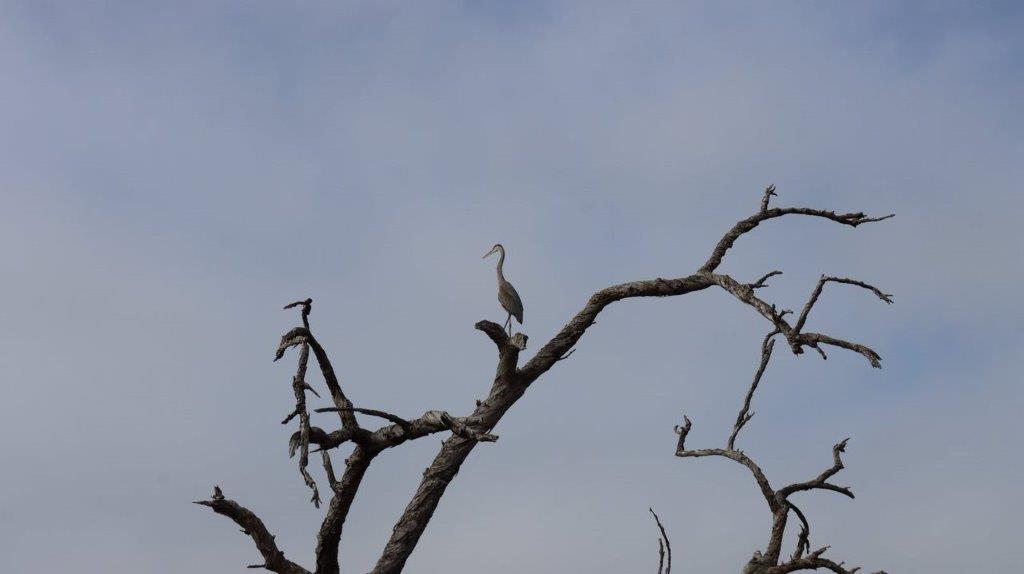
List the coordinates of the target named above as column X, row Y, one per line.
column 509, row 299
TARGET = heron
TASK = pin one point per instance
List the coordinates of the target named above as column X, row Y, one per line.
column 507, row 295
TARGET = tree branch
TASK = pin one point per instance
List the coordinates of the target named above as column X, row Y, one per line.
column 803, row 542
column 303, row 334
column 303, row 337
column 510, row 384
column 768, row 193
column 467, row 429
column 356, row 465
column 307, row 307
column 814, row 561
column 817, row 293
column 371, row 412
column 821, row 481
column 348, row 419
column 395, row 434
column 734, row 455
column 778, row 501
column 495, row 332
column 761, row 282
column 325, row 457
column 253, row 527
column 328, row 538
column 508, row 348
column 745, row 415
column 796, row 339
column 298, row 385
column 814, row 339
column 663, row 546
column 508, row 387
column 742, row 227
column 571, row 333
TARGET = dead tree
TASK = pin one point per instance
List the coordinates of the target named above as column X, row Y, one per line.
column 768, row 561
column 510, row 383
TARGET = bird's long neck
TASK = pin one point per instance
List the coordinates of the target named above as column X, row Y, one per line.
column 501, row 262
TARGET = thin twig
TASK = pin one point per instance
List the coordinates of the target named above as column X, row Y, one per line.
column 371, row 412
column 821, row 285
column 745, row 415
column 668, row 547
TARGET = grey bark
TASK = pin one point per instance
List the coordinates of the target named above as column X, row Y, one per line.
column 508, row 386
column 779, row 504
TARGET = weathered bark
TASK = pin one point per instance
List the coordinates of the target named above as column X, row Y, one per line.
column 509, row 384
column 768, row 562
column 505, row 391
column 253, row 527
column 344, row 494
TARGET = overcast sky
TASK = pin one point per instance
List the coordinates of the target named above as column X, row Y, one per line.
column 171, row 174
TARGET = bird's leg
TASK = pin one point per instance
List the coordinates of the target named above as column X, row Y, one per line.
column 508, row 324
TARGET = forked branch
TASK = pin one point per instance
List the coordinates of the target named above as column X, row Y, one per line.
column 768, row 562
column 817, row 293
column 821, row 481
column 509, row 384
column 742, row 227
column 797, row 340
column 664, row 547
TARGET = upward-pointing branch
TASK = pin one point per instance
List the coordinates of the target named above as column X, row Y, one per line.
column 745, row 415
column 510, row 383
column 253, row 527
column 767, row 562
column 505, row 391
column 741, row 227
column 300, row 335
column 356, row 465
column 566, row 339
column 817, row 293
column 664, row 547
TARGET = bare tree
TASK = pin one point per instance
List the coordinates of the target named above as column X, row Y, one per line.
column 768, row 562
column 510, row 383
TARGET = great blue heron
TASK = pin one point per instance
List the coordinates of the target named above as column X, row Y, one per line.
column 507, row 295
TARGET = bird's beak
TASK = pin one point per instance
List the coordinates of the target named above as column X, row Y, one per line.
column 488, row 254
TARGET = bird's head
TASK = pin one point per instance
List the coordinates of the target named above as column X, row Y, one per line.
column 496, row 249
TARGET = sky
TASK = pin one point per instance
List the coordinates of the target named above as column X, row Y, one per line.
column 171, row 174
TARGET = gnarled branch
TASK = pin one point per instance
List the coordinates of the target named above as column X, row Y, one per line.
column 253, row 527
column 778, row 500
column 731, row 454
column 337, row 511
column 299, row 386
column 742, row 227
column 821, row 481
column 509, row 385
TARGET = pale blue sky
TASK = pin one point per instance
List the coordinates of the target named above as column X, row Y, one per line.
column 173, row 173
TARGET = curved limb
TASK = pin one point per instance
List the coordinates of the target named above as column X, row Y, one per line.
column 253, row 527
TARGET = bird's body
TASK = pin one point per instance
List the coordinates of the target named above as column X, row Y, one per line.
column 510, row 300
column 507, row 294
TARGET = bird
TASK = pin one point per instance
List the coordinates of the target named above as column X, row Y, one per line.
column 507, row 295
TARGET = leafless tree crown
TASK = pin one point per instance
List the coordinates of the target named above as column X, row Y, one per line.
column 509, row 385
